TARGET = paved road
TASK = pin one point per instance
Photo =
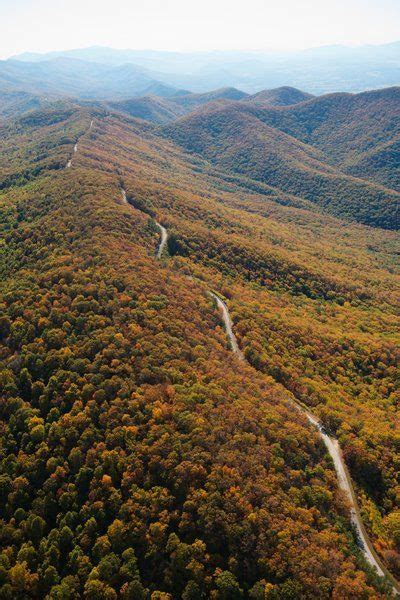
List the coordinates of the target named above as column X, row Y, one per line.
column 332, row 445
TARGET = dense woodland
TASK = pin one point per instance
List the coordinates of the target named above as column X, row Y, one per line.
column 295, row 150
column 139, row 458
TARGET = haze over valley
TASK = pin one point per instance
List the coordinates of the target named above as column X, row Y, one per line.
column 101, row 72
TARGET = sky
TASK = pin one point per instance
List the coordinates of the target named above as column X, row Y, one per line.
column 183, row 25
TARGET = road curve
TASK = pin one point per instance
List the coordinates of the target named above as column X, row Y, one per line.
column 163, row 231
column 331, row 443
column 69, row 163
column 228, row 326
column 164, row 238
column 332, row 446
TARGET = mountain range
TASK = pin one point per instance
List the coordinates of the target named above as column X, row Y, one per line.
column 198, row 331
column 321, row 150
column 317, row 70
column 330, row 151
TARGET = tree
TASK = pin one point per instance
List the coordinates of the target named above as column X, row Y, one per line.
column 5, row 326
column 22, row 580
column 392, row 524
column 35, row 528
column 227, row 586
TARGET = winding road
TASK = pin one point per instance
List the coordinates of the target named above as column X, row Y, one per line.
column 228, row 326
column 332, row 445
column 164, row 238
column 69, row 163
column 163, row 231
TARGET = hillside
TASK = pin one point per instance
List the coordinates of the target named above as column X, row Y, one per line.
column 191, row 101
column 164, row 110
column 282, row 96
column 239, row 138
column 15, row 103
column 140, row 457
column 38, row 141
column 358, row 132
column 150, row 108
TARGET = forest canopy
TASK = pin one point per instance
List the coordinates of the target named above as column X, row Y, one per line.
column 139, row 458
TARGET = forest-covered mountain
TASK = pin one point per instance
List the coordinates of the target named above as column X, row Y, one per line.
column 140, row 459
column 332, row 151
column 338, row 152
column 16, row 103
column 164, row 110
column 358, row 132
column 282, row 96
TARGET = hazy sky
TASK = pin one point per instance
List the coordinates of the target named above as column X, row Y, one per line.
column 42, row 25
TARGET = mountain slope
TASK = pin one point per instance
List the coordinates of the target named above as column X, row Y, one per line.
column 350, row 128
column 39, row 141
column 163, row 110
column 150, row 108
column 238, row 138
column 14, row 103
column 313, row 298
column 191, row 101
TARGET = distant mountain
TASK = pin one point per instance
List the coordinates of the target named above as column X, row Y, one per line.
column 316, row 70
column 279, row 146
column 282, row 96
column 157, row 88
column 193, row 100
column 82, row 79
column 148, row 59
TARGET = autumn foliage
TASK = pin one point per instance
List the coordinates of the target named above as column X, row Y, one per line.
column 139, row 459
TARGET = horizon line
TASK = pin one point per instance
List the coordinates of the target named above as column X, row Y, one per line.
column 198, row 51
